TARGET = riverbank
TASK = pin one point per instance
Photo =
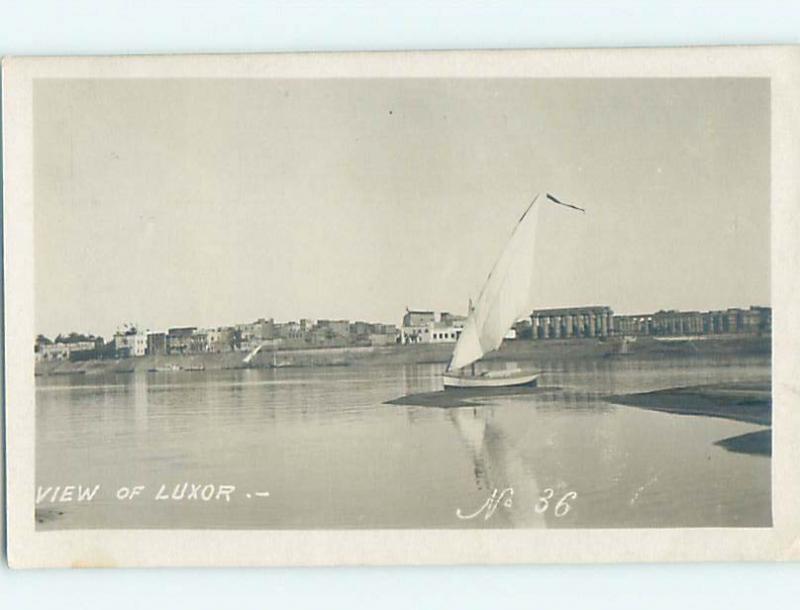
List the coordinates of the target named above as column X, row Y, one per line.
column 746, row 402
column 522, row 350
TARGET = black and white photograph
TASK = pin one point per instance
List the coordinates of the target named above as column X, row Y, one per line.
column 399, row 302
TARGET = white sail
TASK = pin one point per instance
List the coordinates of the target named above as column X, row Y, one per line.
column 505, row 297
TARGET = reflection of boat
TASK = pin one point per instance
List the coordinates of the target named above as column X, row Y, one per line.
column 498, row 466
column 504, row 299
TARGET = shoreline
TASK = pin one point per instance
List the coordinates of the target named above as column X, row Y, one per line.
column 744, row 402
column 521, row 350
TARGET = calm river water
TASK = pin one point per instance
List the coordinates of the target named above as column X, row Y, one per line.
column 330, row 454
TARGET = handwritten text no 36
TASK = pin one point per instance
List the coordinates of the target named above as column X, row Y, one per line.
column 504, row 498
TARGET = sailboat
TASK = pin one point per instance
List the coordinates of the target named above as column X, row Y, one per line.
column 504, row 299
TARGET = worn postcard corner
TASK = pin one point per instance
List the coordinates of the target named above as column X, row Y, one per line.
column 415, row 308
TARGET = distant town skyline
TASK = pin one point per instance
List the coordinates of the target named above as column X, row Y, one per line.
column 216, row 202
column 141, row 328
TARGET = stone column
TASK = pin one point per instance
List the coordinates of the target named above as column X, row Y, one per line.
column 568, row 325
column 557, row 324
column 592, row 322
column 603, row 325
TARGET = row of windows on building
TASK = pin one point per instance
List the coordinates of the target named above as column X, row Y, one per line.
column 446, row 336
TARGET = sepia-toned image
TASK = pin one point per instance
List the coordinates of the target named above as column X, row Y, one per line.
column 280, row 287
column 395, row 302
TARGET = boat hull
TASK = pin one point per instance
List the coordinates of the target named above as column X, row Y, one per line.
column 490, row 380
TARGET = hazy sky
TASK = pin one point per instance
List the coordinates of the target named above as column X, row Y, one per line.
column 210, row 202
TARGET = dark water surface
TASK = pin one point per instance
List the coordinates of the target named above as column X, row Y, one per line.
column 331, row 454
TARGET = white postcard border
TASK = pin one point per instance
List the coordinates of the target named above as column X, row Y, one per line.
column 29, row 548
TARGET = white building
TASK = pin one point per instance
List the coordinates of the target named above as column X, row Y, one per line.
column 139, row 345
column 435, row 327
column 62, row 350
column 213, row 337
column 431, row 327
column 130, row 345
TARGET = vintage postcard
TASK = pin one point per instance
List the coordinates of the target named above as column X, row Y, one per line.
column 381, row 308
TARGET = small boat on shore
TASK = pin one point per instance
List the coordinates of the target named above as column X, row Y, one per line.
column 504, row 299
column 680, row 338
column 169, row 368
column 491, row 379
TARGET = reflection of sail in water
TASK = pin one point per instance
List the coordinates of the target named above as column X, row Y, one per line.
column 497, row 464
column 471, row 425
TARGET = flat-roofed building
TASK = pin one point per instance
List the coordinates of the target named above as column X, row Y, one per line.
column 418, row 317
column 156, row 344
column 179, row 339
column 423, row 326
column 69, row 349
column 139, row 345
column 130, row 343
column 337, row 328
column 229, row 340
